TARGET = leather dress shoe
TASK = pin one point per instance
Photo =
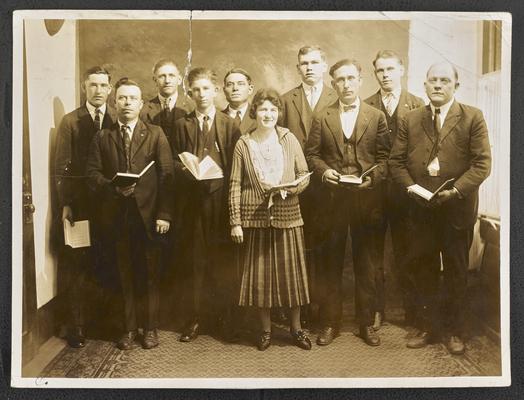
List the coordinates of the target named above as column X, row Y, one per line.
column 126, row 340
column 76, row 337
column 379, row 320
column 421, row 339
column 264, row 340
column 455, row 345
column 327, row 335
column 190, row 332
column 301, row 339
column 369, row 335
column 150, row 339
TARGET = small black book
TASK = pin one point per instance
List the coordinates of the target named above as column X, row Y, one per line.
column 124, row 179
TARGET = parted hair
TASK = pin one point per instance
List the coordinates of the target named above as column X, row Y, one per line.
column 202, row 73
column 387, row 54
column 238, row 71
column 126, row 82
column 308, row 49
column 97, row 70
column 165, row 61
column 345, row 61
column 262, row 95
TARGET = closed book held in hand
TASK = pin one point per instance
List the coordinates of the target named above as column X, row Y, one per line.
column 124, row 179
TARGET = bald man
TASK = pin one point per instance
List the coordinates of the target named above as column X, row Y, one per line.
column 443, row 140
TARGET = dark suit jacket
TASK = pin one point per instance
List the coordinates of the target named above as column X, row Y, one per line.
column 297, row 115
column 74, row 137
column 153, row 192
column 464, row 155
column 406, row 103
column 183, row 139
column 247, row 124
column 151, row 112
column 324, row 149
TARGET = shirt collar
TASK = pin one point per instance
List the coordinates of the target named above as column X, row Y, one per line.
column 319, row 86
column 210, row 114
column 233, row 113
column 443, row 108
column 356, row 103
column 172, row 99
column 91, row 108
column 131, row 125
column 396, row 93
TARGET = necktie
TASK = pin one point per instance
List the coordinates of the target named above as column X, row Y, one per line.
column 127, row 144
column 165, row 111
column 388, row 103
column 313, row 97
column 238, row 117
column 433, row 167
column 205, row 126
column 97, row 119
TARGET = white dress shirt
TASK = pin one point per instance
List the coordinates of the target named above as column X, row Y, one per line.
column 444, row 109
column 233, row 113
column 210, row 114
column 348, row 118
column 130, row 127
column 313, row 93
column 172, row 100
column 395, row 98
column 91, row 108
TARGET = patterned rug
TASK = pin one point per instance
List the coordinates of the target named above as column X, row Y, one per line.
column 208, row 357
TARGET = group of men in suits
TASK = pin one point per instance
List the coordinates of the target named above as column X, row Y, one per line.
column 407, row 143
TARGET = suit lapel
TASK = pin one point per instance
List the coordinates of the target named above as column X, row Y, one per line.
column 451, row 120
column 154, row 109
column 333, row 122
column 139, row 135
column 427, row 123
column 191, row 128
column 220, row 130
column 302, row 106
column 114, row 134
column 376, row 101
column 362, row 122
column 324, row 99
column 403, row 105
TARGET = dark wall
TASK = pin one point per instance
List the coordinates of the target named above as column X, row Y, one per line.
column 267, row 49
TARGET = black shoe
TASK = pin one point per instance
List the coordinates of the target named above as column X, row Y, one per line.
column 190, row 332
column 455, row 346
column 127, row 340
column 264, row 340
column 76, row 337
column 379, row 320
column 421, row 339
column 301, row 339
column 150, row 339
column 369, row 335
column 327, row 335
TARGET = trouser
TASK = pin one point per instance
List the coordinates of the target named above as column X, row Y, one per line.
column 137, row 259
column 77, row 265
column 433, row 237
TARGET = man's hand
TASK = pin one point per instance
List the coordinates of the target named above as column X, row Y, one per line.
column 126, row 191
column 237, row 235
column 188, row 174
column 67, row 213
column 331, row 177
column 162, row 226
column 368, row 182
column 444, row 196
column 419, row 200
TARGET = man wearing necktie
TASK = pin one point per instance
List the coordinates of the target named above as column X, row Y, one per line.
column 168, row 105
column 130, row 218
column 349, row 137
column 202, row 209
column 74, row 136
column 395, row 103
column 443, row 140
column 237, row 88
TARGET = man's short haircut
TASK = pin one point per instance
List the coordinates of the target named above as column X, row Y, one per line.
column 455, row 71
column 126, row 82
column 387, row 54
column 238, row 71
column 262, row 95
column 345, row 61
column 308, row 49
column 202, row 73
column 97, row 70
column 165, row 61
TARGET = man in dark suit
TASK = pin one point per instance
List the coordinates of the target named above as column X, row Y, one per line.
column 130, row 217
column 299, row 106
column 394, row 102
column 349, row 137
column 238, row 88
column 168, row 105
column 443, row 140
column 73, row 139
column 202, row 205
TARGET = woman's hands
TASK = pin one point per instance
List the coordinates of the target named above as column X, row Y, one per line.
column 237, row 235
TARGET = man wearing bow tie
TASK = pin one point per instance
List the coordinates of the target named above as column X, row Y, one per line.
column 72, row 146
column 131, row 218
column 349, row 137
column 394, row 102
column 444, row 140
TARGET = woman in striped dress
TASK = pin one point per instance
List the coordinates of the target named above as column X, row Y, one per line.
column 267, row 219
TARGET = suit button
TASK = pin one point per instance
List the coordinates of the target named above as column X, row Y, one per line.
column 271, row 218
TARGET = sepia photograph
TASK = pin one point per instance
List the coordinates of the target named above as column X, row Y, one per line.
column 260, row 199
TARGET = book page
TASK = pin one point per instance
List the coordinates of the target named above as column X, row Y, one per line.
column 209, row 169
column 350, row 179
column 422, row 192
column 292, row 184
column 78, row 235
column 190, row 161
